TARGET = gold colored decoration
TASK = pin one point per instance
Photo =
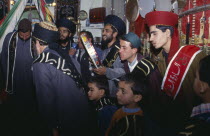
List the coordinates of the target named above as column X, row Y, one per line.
column 146, row 45
column 193, row 24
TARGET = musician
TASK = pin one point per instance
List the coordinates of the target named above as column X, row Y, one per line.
column 175, row 65
column 112, row 67
column 67, row 30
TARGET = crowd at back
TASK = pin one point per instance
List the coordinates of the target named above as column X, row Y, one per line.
column 52, row 85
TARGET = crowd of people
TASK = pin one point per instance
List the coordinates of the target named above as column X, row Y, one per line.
column 51, row 87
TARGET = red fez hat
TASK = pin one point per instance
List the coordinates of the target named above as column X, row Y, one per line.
column 161, row 18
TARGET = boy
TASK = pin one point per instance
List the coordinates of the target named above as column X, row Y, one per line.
column 128, row 120
column 142, row 67
column 104, row 106
column 200, row 117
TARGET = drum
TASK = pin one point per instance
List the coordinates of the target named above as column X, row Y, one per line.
column 132, row 10
column 145, row 6
column 163, row 5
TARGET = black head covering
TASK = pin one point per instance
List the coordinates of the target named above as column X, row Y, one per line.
column 45, row 32
column 117, row 23
column 68, row 24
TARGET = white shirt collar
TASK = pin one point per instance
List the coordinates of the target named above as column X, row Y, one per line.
column 133, row 64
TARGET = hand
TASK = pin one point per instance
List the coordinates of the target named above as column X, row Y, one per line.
column 100, row 70
column 72, row 51
column 55, row 132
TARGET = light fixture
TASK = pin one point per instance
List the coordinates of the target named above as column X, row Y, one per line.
column 12, row 2
column 54, row 4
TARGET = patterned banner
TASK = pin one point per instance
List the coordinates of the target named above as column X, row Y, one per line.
column 11, row 19
column 178, row 68
column 15, row 13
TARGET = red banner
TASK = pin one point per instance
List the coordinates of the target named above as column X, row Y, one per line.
column 177, row 69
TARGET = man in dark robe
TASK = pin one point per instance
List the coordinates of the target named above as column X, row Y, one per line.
column 61, row 99
column 112, row 67
column 16, row 62
column 67, row 30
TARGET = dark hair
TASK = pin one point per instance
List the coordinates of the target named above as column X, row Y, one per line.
column 164, row 28
column 101, row 83
column 115, row 30
column 89, row 35
column 138, row 85
column 204, row 69
column 24, row 26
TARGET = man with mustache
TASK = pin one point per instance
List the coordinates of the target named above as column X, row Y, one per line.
column 67, row 30
column 112, row 66
column 16, row 62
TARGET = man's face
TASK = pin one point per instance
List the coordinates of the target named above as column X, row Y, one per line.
column 24, row 36
column 64, row 33
column 107, row 34
column 158, row 38
column 126, row 52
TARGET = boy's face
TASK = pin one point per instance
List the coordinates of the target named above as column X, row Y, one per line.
column 94, row 92
column 125, row 95
column 126, row 52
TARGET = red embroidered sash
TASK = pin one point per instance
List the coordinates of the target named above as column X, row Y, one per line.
column 177, row 69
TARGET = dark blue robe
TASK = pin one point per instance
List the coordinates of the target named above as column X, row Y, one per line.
column 19, row 115
column 23, row 96
column 60, row 101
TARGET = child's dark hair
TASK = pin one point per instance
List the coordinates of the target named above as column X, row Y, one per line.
column 101, row 83
column 138, row 84
column 204, row 70
column 89, row 35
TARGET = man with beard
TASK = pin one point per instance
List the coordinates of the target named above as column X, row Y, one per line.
column 112, row 66
column 16, row 62
column 67, row 30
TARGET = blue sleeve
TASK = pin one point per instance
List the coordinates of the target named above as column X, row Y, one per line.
column 104, row 118
column 99, row 52
column 4, row 56
column 45, row 92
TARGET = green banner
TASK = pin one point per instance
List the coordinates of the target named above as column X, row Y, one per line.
column 8, row 18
